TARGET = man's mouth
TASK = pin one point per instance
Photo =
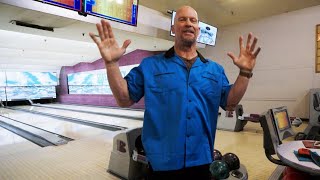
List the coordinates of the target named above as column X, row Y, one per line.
column 188, row 31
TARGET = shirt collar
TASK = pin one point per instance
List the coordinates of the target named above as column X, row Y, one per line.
column 170, row 54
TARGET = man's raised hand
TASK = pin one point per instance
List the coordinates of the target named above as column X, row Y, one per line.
column 247, row 56
column 108, row 47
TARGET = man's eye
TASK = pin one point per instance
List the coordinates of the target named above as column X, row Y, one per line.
column 194, row 20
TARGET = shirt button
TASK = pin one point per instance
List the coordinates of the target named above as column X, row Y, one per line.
column 189, row 117
column 189, row 100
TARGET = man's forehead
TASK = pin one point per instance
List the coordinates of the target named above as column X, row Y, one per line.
column 186, row 15
column 186, row 11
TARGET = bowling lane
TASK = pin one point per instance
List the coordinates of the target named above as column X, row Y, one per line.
column 11, row 143
column 113, row 111
column 68, row 129
column 124, row 122
column 8, row 137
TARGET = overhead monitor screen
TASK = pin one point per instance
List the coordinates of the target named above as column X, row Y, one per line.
column 124, row 11
column 207, row 34
column 70, row 4
column 172, row 22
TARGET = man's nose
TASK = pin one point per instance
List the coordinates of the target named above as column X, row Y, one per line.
column 188, row 22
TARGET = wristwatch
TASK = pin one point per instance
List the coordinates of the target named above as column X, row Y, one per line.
column 245, row 73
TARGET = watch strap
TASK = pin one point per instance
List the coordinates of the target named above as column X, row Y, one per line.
column 245, row 73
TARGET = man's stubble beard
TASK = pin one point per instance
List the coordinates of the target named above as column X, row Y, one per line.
column 188, row 42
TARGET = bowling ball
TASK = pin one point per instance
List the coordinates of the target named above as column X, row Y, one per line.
column 232, row 160
column 219, row 169
column 217, row 155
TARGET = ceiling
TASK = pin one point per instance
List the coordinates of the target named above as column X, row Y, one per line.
column 227, row 12
column 69, row 44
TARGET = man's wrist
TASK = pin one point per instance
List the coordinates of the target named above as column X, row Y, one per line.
column 111, row 64
column 246, row 73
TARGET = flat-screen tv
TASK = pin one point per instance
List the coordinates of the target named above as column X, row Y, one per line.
column 207, row 35
column 282, row 122
column 124, row 11
column 69, row 4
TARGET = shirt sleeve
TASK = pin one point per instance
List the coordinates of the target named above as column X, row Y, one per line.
column 135, row 82
column 225, row 90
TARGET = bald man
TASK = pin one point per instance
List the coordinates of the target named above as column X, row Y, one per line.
column 182, row 92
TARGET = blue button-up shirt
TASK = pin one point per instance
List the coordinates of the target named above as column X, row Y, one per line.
column 181, row 108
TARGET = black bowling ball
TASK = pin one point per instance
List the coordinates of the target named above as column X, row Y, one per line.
column 219, row 170
column 217, row 155
column 232, row 160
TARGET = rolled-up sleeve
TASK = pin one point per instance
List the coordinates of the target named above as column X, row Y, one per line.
column 135, row 82
column 225, row 91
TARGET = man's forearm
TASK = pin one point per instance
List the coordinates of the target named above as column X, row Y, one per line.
column 118, row 85
column 237, row 92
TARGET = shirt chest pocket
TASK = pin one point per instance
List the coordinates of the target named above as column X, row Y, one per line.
column 164, row 81
column 210, row 84
column 164, row 90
